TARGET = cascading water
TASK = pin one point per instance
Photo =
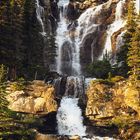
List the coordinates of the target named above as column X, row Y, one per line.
column 87, row 23
column 114, row 27
column 67, row 60
column 69, row 116
column 137, row 5
column 40, row 15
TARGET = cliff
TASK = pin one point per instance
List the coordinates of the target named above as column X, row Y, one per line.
column 114, row 103
column 37, row 97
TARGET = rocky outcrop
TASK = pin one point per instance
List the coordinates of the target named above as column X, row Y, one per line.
column 99, row 101
column 132, row 98
column 108, row 100
column 114, row 103
column 93, row 32
column 55, row 137
column 36, row 98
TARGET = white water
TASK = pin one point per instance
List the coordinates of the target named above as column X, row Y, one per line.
column 114, row 27
column 69, row 117
column 62, row 35
column 40, row 14
column 74, row 85
column 137, row 5
column 120, row 40
column 87, row 25
column 87, row 22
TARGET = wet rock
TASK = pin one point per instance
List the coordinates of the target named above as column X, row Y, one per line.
column 66, row 58
column 93, row 35
column 54, row 9
column 72, row 11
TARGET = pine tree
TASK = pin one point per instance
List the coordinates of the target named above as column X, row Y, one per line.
column 130, row 29
column 134, row 57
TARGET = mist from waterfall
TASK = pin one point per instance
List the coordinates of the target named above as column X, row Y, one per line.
column 114, row 27
column 69, row 117
column 40, row 15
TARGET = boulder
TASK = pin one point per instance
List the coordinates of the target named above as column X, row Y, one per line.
column 109, row 100
column 132, row 98
column 38, row 97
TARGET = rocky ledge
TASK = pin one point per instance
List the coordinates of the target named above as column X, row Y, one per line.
column 114, row 103
column 36, row 97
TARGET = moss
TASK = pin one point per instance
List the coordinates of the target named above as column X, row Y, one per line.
column 122, row 121
column 117, row 79
column 18, row 85
column 103, row 81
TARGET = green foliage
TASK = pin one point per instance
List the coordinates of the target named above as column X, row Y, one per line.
column 122, row 121
column 3, row 73
column 21, row 44
column 117, row 79
column 99, row 68
column 18, row 85
column 123, row 68
column 103, row 81
column 134, row 56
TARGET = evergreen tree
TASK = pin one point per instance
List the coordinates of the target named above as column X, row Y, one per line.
column 130, row 29
column 134, row 57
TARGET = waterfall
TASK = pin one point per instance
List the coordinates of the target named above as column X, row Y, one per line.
column 137, row 5
column 69, row 116
column 74, row 86
column 40, row 15
column 114, row 27
column 67, row 60
column 88, row 23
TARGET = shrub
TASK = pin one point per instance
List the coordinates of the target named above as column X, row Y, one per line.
column 99, row 69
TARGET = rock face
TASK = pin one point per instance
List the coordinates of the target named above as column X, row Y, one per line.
column 66, row 58
column 113, row 103
column 109, row 100
column 36, row 98
column 99, row 101
column 94, row 32
column 132, row 98
column 55, row 137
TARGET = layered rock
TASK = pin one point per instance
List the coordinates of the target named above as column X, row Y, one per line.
column 36, row 98
column 113, row 103
column 108, row 100
column 94, row 24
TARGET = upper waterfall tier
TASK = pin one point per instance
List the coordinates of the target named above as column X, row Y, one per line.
column 40, row 16
column 68, row 53
column 94, row 33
